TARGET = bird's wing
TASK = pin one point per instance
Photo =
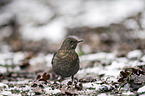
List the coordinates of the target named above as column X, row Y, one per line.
column 53, row 58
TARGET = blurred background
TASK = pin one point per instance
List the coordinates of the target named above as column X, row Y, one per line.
column 40, row 26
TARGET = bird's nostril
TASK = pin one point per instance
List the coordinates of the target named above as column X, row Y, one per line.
column 80, row 41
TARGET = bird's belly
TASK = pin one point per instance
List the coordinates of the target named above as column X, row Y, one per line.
column 66, row 63
column 65, row 69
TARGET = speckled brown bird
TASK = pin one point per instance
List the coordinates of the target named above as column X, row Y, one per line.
column 65, row 61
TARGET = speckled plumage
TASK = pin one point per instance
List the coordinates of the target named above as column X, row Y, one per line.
column 65, row 61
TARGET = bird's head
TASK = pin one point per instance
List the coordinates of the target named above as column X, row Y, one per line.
column 70, row 43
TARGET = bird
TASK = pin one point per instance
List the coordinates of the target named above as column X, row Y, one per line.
column 65, row 61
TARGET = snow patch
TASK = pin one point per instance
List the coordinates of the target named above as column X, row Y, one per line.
column 142, row 89
column 134, row 54
column 98, row 56
column 2, row 85
column 91, row 85
column 50, row 91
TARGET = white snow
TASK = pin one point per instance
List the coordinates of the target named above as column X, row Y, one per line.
column 53, row 31
column 140, row 34
column 17, row 69
column 2, row 85
column 26, row 88
column 48, row 59
column 128, row 93
column 91, row 85
column 87, row 91
column 113, row 69
column 18, row 57
column 102, row 94
column 15, row 59
column 116, row 65
column 3, row 69
column 143, row 58
column 134, row 54
column 31, row 11
column 97, row 13
column 98, row 56
column 8, row 93
column 19, row 82
column 142, row 89
column 86, row 48
column 50, row 91
column 43, row 61
column 10, row 58
column 39, row 59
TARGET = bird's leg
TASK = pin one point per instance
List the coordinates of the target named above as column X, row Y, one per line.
column 54, row 77
column 55, row 80
column 61, row 79
column 72, row 77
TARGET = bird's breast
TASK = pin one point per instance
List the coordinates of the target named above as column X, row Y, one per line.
column 67, row 54
column 63, row 54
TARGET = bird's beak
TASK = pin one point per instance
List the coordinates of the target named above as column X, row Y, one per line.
column 79, row 41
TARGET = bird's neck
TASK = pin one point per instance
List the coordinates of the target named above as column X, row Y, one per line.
column 64, row 49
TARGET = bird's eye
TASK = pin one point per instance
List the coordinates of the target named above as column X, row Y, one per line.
column 71, row 42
